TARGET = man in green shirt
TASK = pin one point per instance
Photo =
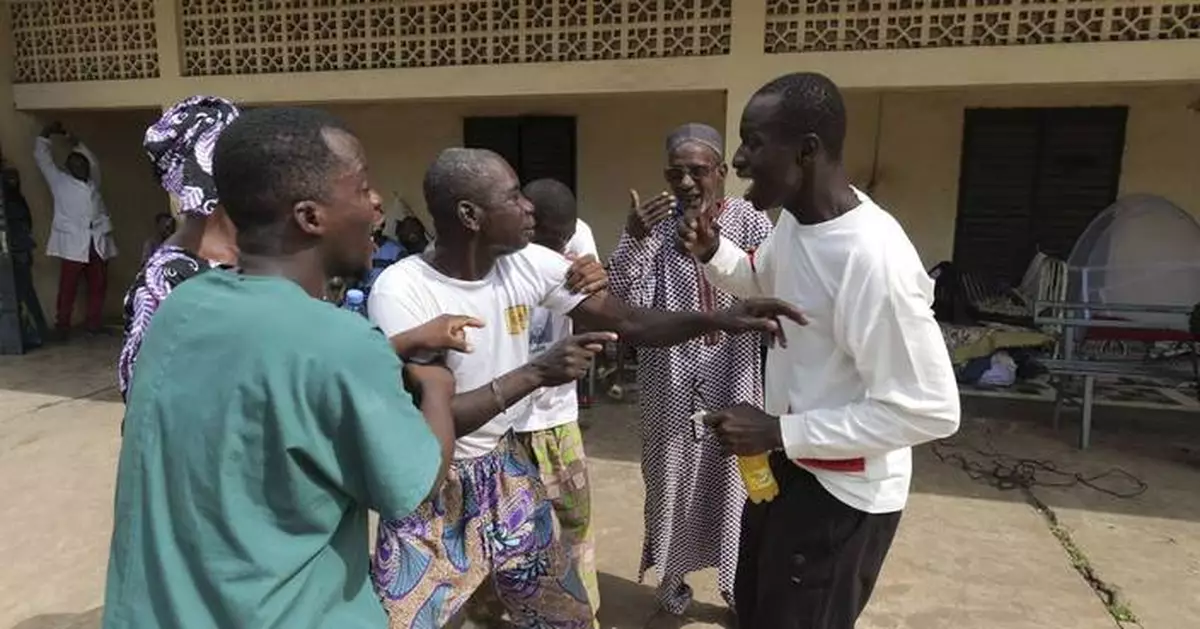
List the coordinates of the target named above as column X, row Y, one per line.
column 263, row 423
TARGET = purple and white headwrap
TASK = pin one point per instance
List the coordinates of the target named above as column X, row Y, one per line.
column 180, row 147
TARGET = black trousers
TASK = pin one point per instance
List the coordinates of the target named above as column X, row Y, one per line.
column 807, row 560
column 29, row 309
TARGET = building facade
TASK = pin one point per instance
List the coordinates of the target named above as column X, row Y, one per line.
column 990, row 128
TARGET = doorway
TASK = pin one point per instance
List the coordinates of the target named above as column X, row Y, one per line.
column 535, row 146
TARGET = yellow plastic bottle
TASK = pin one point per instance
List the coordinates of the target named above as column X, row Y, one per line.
column 757, row 475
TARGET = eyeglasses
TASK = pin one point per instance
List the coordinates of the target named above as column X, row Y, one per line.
column 675, row 174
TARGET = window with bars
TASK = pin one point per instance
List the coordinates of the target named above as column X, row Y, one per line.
column 1032, row 180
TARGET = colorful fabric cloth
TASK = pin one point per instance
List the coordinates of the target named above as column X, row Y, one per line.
column 180, row 147
column 490, row 518
column 559, row 457
column 166, row 269
column 694, row 494
column 558, row 454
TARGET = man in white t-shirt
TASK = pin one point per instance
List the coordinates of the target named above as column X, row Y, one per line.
column 491, row 517
column 549, row 429
column 852, row 392
column 582, row 242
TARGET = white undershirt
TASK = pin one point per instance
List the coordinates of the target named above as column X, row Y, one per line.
column 551, row 407
column 869, row 376
column 411, row 292
column 582, row 242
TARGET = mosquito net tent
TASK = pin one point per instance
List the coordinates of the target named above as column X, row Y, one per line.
column 1142, row 250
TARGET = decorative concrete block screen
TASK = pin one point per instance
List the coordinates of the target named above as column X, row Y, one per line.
column 266, row 36
column 823, row 25
column 83, row 40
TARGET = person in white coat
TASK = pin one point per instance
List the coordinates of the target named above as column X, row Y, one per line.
column 81, row 232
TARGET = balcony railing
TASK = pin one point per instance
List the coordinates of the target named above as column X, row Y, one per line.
column 827, row 25
column 225, row 37
column 86, row 40
column 83, row 40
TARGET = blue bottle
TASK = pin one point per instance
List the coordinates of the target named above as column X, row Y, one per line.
column 355, row 301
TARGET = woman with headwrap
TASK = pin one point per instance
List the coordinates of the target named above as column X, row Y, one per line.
column 180, row 147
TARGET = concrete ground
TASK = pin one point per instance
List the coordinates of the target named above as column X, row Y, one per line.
column 968, row 554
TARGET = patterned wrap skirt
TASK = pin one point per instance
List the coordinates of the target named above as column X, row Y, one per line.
column 491, row 518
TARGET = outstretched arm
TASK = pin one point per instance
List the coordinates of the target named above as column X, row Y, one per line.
column 725, row 264
column 45, row 161
column 397, row 308
column 82, row 148
column 472, row 409
column 660, row 328
column 565, row 361
column 737, row 272
column 883, row 319
column 445, row 332
column 428, row 343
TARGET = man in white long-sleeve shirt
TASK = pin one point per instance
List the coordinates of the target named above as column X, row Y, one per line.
column 868, row 377
column 81, row 232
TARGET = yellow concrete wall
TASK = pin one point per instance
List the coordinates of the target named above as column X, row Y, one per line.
column 620, row 146
column 919, row 135
column 619, row 139
column 1079, row 64
column 129, row 189
column 921, row 140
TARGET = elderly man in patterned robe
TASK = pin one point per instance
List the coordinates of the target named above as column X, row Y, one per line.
column 694, row 494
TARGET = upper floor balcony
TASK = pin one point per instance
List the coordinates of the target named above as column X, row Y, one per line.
column 617, row 42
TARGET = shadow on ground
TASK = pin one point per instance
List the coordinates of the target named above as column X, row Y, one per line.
column 82, row 367
column 87, row 620
column 633, row 604
column 999, row 437
column 1148, row 444
column 968, row 554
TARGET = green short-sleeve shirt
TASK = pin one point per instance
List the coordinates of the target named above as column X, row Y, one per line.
column 261, row 426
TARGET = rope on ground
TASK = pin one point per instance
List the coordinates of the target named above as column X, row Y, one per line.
column 1006, row 472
